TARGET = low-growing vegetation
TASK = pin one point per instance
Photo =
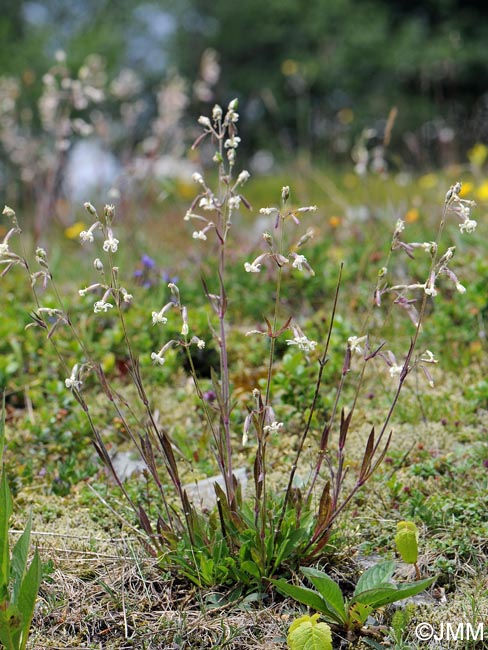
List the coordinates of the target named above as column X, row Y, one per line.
column 294, row 393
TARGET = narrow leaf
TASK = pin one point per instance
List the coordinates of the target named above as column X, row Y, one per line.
column 28, row 595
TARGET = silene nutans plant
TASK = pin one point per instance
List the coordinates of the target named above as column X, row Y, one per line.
column 249, row 538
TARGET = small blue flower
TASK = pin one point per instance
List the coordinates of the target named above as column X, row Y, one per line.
column 148, row 262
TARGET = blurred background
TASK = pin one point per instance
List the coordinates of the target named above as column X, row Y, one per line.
column 103, row 95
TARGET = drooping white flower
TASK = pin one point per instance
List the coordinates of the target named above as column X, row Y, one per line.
column 158, row 317
column 268, row 211
column 461, row 288
column 4, row 249
column 86, row 236
column 469, row 225
column 197, row 178
column 206, row 203
column 299, row 261
column 274, row 427
column 252, row 267
column 102, row 306
column 199, row 234
column 157, row 358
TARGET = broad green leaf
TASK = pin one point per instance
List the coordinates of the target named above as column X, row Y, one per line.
column 28, row 595
column 374, row 576
column 385, row 596
column 307, row 634
column 251, row 568
column 328, row 589
column 307, row 597
column 407, row 541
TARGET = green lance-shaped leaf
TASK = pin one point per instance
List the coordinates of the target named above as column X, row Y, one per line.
column 308, row 597
column 306, row 633
column 328, row 589
column 376, row 575
column 407, row 541
column 27, row 597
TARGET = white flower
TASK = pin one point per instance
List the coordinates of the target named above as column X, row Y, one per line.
column 354, row 343
column 216, row 112
column 303, row 343
column 82, row 292
column 243, row 177
column 110, row 244
column 395, row 369
column 90, row 208
column 460, row 288
column 252, row 267
column 267, row 211
column 86, row 236
column 234, row 202
column 430, row 290
column 126, row 296
column 4, row 249
column 399, row 227
column 200, row 343
column 274, row 427
column 199, row 234
column 469, row 225
column 8, row 212
column 308, row 208
column 197, row 178
column 204, row 121
column 206, row 203
column 158, row 317
column 428, row 357
column 232, row 143
column 101, row 305
column 299, row 261
column 73, row 382
column 157, row 358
